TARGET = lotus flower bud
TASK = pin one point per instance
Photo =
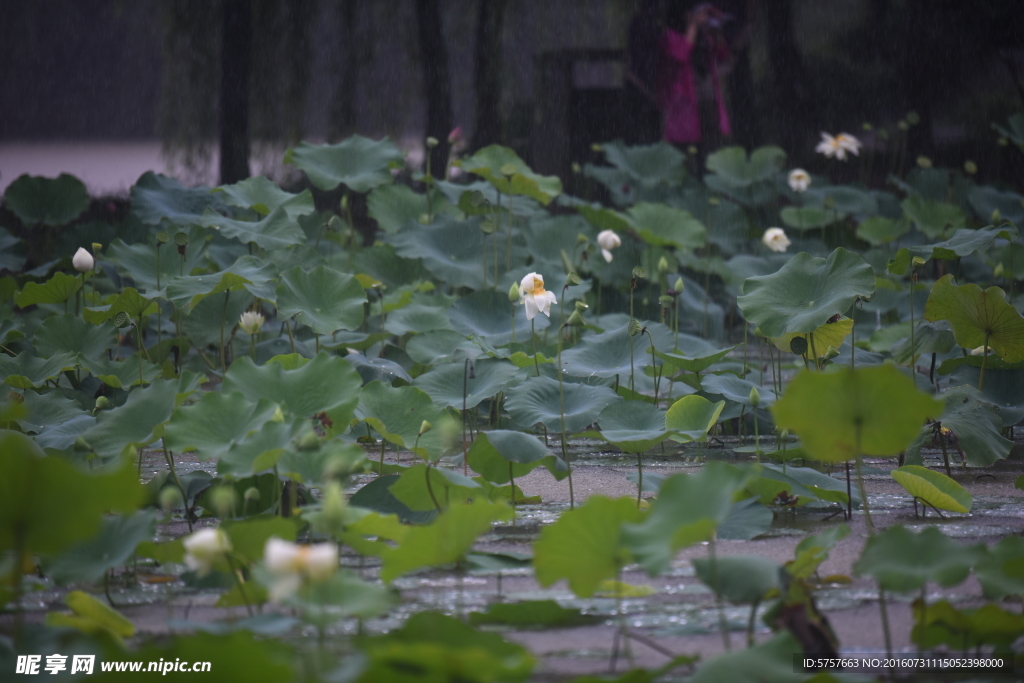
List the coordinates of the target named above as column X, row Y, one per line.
column 662, row 266
column 996, row 216
column 102, row 402
column 170, row 498
column 425, row 427
column 432, row 142
column 924, row 162
column 755, row 397
column 513, row 292
column 679, row 286
column 309, row 442
column 278, row 415
column 970, row 167
column 333, row 510
column 223, row 499
column 252, row 494
column 204, row 548
column 913, row 118
column 83, row 261
column 1003, row 142
column 455, row 136
column 998, row 270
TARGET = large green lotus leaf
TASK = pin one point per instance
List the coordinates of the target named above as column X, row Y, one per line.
column 275, row 231
column 324, row 383
column 446, row 487
column 806, row 292
column 47, row 409
column 72, row 335
column 831, row 334
column 877, row 408
column 451, row 250
column 263, row 196
column 688, row 509
column 977, row 425
column 808, row 217
column 1004, row 388
column 664, row 226
column 648, row 165
column 322, row 299
column 605, row 219
column 928, row 338
column 699, row 362
column 27, row 371
column 1000, row 570
column 417, row 318
column 632, row 426
column 986, row 200
column 607, row 354
column 819, row 484
column 436, row 647
column 62, row 436
column 739, row 578
column 978, row 317
column 374, row 369
column 584, row 546
column 734, row 170
column 124, row 373
column 139, row 421
column 814, row 550
column 510, row 175
column 10, row 259
column 358, row 163
column 447, row 384
column 128, row 301
column 500, row 454
column 842, row 199
column 488, row 314
column 377, row 496
column 50, row 201
column 397, row 414
column 692, row 417
column 934, row 488
column 770, row 483
column 46, row 504
column 940, row 623
column 442, row 346
column 139, row 259
column 395, row 206
column 931, row 217
column 536, row 401
column 156, row 198
column 769, row 661
column 902, row 561
column 444, row 541
column 878, row 230
column 965, row 242
column 248, row 273
column 261, row 450
column 58, row 289
column 736, row 389
column 111, row 547
column 214, row 423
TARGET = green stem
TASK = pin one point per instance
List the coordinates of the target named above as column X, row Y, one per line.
column 291, row 337
column 639, row 478
column 169, row 457
column 860, row 485
column 913, row 370
column 885, row 621
column 723, row 625
column 430, row 489
column 984, row 362
column 240, row 584
column 533, row 338
column 561, row 399
column 945, row 454
column 223, row 320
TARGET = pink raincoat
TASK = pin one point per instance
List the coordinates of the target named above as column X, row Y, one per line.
column 677, row 89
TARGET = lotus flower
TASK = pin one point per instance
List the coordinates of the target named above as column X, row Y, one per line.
column 83, row 260
column 293, row 565
column 799, row 180
column 204, row 548
column 838, row 146
column 250, row 322
column 534, row 296
column 608, row 240
column 775, row 239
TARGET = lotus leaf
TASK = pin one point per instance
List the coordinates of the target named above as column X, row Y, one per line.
column 747, row 519
column 454, row 384
column 940, row 623
column 92, row 617
column 139, row 422
column 648, row 165
column 214, row 423
column 664, row 226
column 264, row 197
column 1001, row 569
column 933, row 488
column 878, row 230
column 692, row 417
column 68, row 334
column 49, row 201
column 974, row 422
column 500, row 454
column 978, row 317
column 814, row 550
column 26, row 371
column 607, row 354
column 902, row 561
column 323, row 299
column 537, row 401
column 397, row 413
column 931, row 217
column 50, row 408
column 739, row 578
column 58, row 289
column 510, row 175
column 830, row 335
column 736, row 389
column 358, row 163
column 632, row 426
column 808, row 217
column 324, row 383
column 451, row 250
column 986, row 200
column 248, row 273
column 112, row 546
column 157, row 199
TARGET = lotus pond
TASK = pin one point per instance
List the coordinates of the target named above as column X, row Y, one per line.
column 383, row 425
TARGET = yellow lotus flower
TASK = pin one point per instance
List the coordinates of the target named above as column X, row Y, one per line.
column 534, row 296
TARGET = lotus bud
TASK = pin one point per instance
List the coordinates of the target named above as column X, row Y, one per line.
column 425, row 427
column 595, row 147
column 204, row 548
column 576, row 320
column 335, row 224
column 903, row 125
column 996, row 216
column 679, row 286
column 333, row 510
column 170, row 498
column 455, row 137
column 278, row 415
column 970, row 167
column 102, row 402
column 784, row 434
column 714, row 201
column 581, row 306
column 432, row 142
column 866, row 127
column 573, row 279
column 576, row 168
column 162, row 237
column 755, row 397
column 223, row 499
column 692, row 150
column 924, row 162
column 131, row 451
column 309, row 442
column 639, row 273
column 83, row 261
column 252, row 495
column 998, row 271
column 662, row 266
column 634, row 327
column 513, row 292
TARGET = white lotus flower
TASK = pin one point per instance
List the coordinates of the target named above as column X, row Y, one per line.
column 608, row 240
column 980, row 351
column 838, row 146
column 775, row 239
column 293, row 565
column 204, row 548
column 250, row 322
column 534, row 296
column 799, row 180
column 83, row 260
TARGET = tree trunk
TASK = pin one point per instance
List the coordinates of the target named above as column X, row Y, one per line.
column 436, row 81
column 342, row 122
column 487, row 78
column 236, row 47
column 795, row 104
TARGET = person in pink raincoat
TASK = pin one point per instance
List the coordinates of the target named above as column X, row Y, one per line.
column 691, row 49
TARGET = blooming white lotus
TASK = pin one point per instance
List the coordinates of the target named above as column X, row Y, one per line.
column 204, row 548
column 250, row 322
column 83, row 260
column 775, row 239
column 608, row 240
column 799, row 180
column 533, row 295
column 293, row 565
column 838, row 146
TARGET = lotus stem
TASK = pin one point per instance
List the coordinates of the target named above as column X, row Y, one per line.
column 169, row 457
column 639, row 478
column 430, row 489
column 945, row 453
column 533, row 338
column 913, row 347
column 465, row 390
column 860, row 483
column 885, row 621
column 223, row 319
column 236, row 573
column 561, row 397
column 723, row 625
column 984, row 362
